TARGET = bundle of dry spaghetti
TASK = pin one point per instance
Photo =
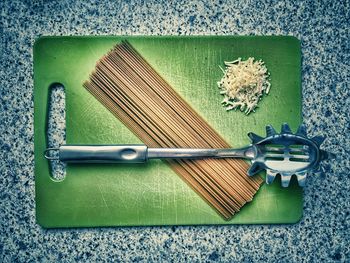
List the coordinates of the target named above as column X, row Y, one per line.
column 134, row 92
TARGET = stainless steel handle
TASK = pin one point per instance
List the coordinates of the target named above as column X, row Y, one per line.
column 133, row 153
column 138, row 153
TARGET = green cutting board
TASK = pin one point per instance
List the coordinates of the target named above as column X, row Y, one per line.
column 152, row 194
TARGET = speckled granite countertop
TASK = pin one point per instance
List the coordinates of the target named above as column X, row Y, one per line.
column 322, row 234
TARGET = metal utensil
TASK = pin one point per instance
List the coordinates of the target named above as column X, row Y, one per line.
column 282, row 153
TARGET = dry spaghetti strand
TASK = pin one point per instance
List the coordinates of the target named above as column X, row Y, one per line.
column 140, row 98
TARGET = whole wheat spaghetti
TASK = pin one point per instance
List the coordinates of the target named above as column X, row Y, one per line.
column 134, row 92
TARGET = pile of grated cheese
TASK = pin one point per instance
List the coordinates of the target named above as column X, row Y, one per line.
column 243, row 84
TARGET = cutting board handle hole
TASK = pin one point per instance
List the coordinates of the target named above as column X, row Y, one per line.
column 56, row 127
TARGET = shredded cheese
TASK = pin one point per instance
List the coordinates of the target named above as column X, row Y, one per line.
column 243, row 84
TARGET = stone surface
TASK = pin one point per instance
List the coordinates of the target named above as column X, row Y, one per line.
column 322, row 234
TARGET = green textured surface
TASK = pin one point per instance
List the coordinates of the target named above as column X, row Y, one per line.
column 152, row 194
